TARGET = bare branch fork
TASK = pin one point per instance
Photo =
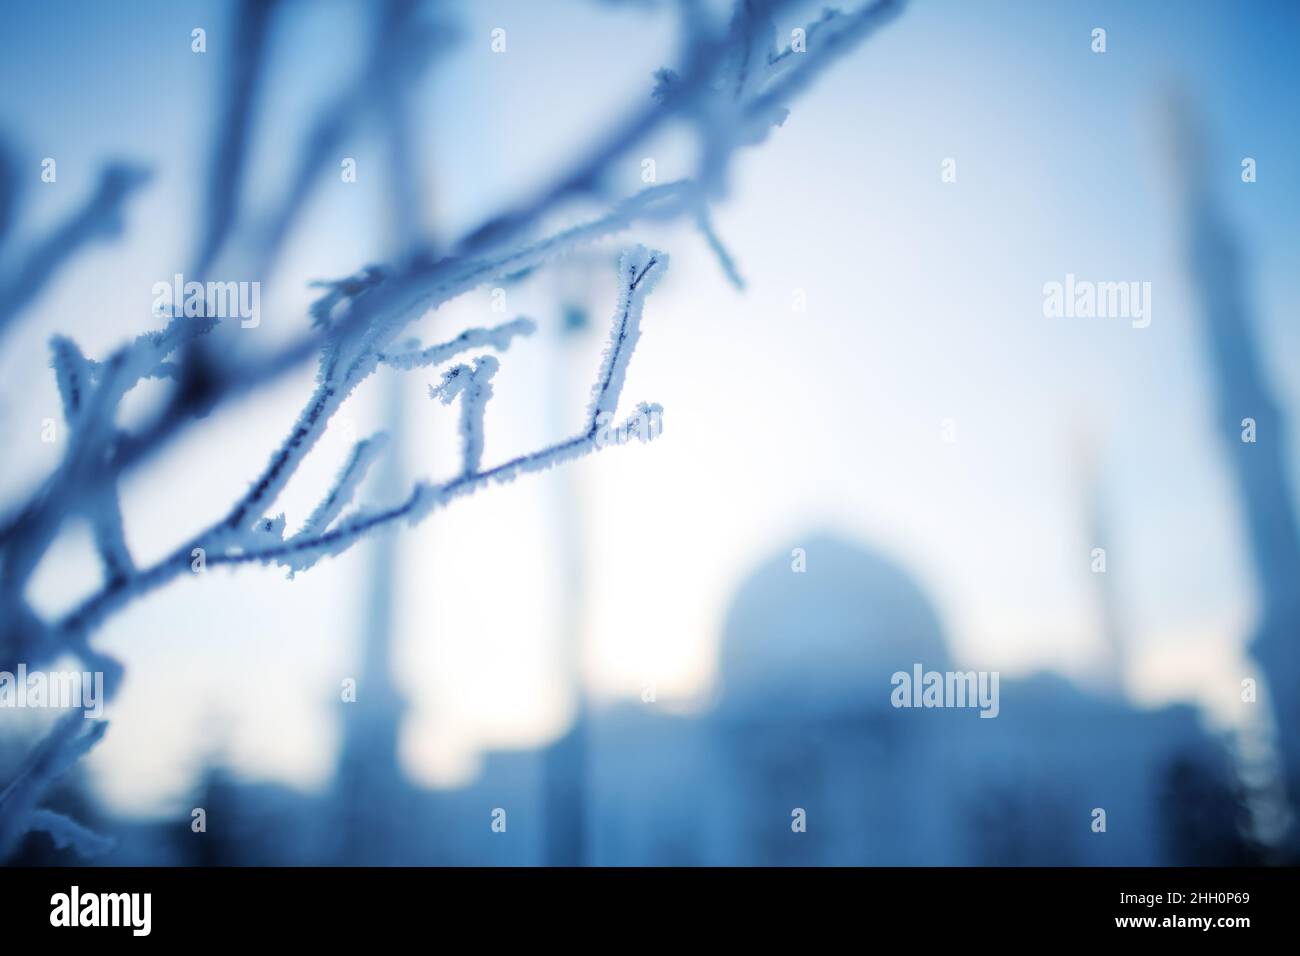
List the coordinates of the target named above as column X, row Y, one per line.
column 733, row 88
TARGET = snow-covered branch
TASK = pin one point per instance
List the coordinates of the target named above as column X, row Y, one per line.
column 99, row 219
column 640, row 269
column 473, row 386
column 498, row 337
column 71, row 737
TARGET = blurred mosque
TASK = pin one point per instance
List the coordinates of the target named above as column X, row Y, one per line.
column 803, row 721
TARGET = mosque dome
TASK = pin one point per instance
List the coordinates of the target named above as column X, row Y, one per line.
column 827, row 638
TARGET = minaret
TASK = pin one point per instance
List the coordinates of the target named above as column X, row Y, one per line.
column 1096, row 518
column 565, row 766
column 1259, row 467
column 370, row 786
column 375, row 797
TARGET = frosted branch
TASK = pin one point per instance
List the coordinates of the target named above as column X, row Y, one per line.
column 474, row 387
column 345, row 486
column 234, row 130
column 71, row 737
column 640, row 270
column 8, row 190
column 71, row 374
column 100, row 218
column 66, row 832
column 300, row 553
column 101, row 507
column 725, row 260
column 499, row 337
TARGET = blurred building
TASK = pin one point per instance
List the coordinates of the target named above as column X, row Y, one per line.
column 803, row 721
